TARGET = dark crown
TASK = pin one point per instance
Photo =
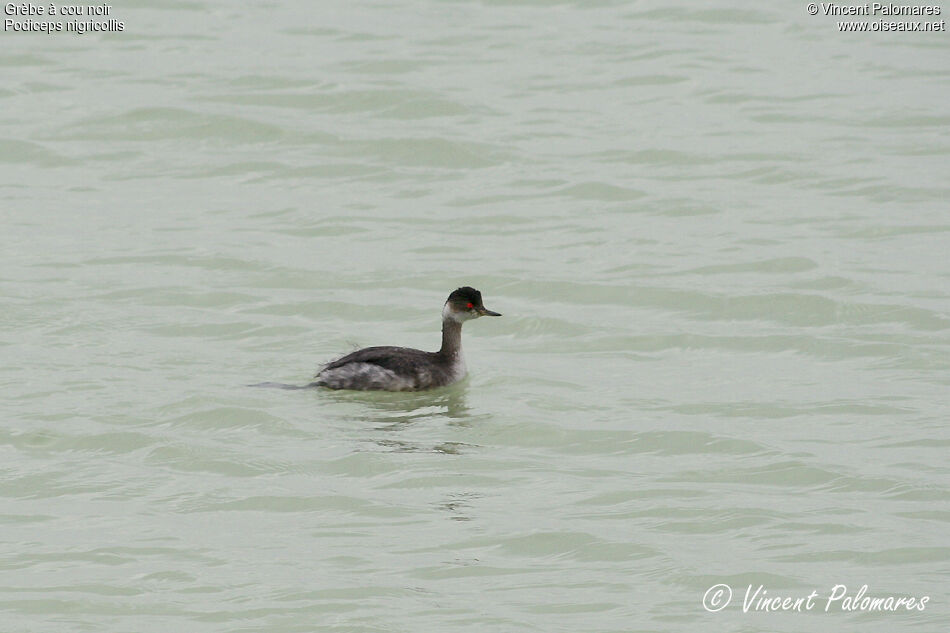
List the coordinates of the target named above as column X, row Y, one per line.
column 466, row 294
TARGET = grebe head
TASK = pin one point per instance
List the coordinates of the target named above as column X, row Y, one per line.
column 464, row 304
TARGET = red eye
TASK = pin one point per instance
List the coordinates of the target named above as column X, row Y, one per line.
column 469, row 305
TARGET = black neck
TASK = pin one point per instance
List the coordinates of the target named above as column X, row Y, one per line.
column 451, row 338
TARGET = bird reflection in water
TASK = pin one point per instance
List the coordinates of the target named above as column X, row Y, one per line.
column 392, row 415
column 394, row 412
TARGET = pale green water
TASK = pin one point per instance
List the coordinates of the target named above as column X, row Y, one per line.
column 718, row 235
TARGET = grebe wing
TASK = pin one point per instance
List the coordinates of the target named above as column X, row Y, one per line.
column 401, row 360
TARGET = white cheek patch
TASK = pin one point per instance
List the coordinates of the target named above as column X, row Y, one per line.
column 458, row 317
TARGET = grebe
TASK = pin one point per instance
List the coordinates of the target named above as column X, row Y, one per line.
column 406, row 369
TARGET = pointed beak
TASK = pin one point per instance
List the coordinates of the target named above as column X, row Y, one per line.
column 483, row 311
